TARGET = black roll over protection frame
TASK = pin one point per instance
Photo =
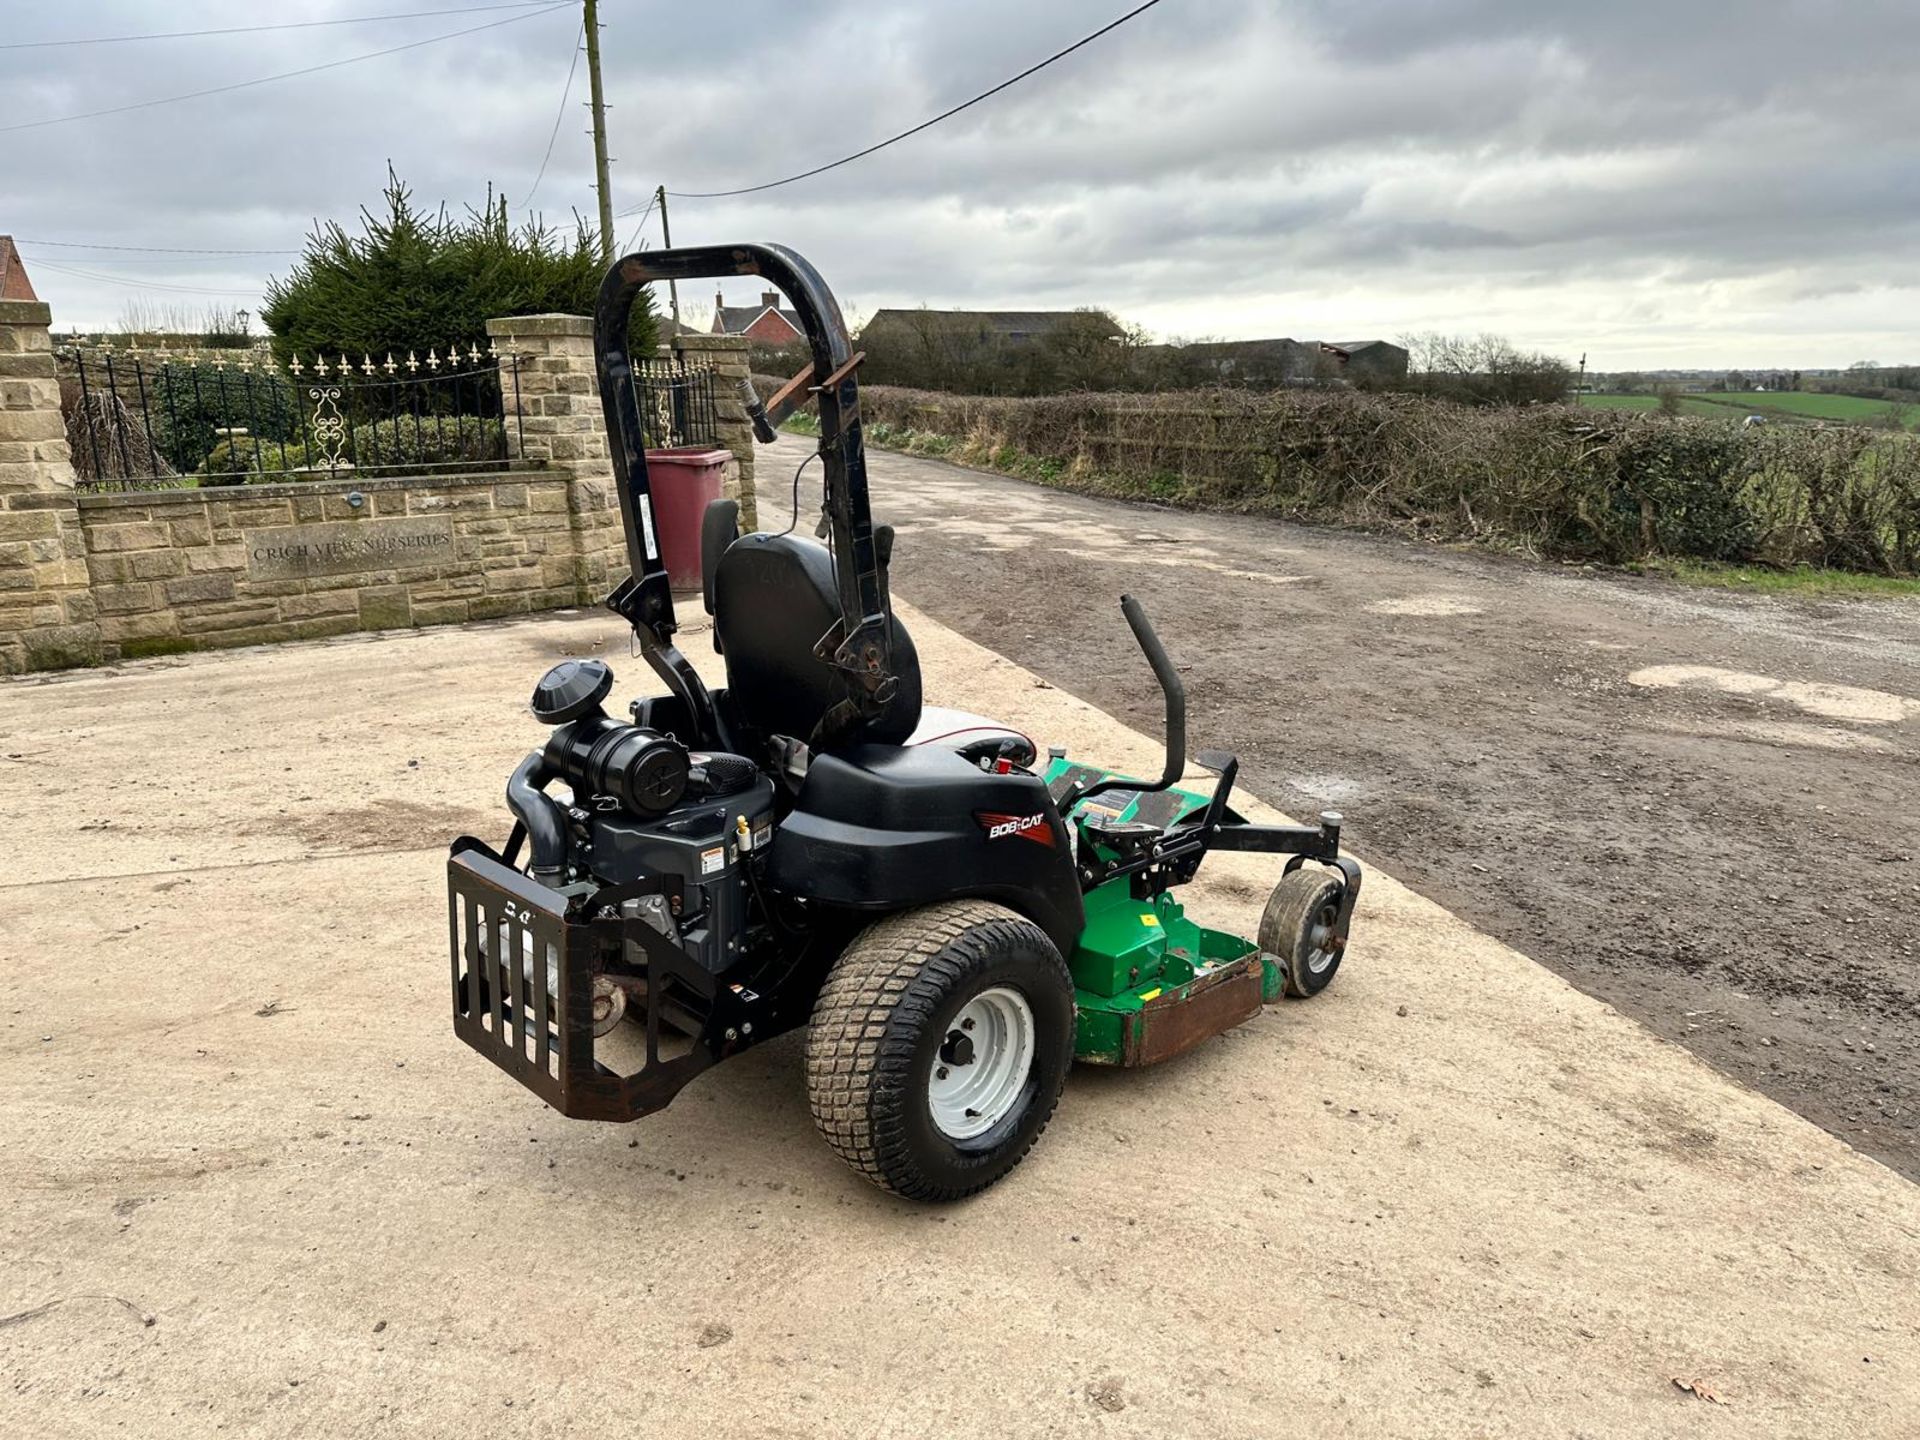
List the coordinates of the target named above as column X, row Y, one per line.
column 860, row 644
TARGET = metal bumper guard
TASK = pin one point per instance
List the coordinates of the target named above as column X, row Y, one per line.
column 524, row 961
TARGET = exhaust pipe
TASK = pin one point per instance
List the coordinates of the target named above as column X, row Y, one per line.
column 541, row 814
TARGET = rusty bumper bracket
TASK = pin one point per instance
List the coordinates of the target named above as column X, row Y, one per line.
column 524, row 961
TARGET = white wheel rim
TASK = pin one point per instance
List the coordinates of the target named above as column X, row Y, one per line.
column 1320, row 948
column 982, row 1064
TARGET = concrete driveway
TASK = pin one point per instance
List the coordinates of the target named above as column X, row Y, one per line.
column 253, row 1185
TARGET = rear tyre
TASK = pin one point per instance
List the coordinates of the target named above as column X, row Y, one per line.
column 938, row 1048
column 1298, row 927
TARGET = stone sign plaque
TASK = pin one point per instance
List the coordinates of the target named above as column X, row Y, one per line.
column 343, row 547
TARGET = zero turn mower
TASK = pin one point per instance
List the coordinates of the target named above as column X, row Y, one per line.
column 953, row 919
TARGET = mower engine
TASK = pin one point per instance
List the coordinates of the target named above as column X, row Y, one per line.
column 635, row 893
column 644, row 808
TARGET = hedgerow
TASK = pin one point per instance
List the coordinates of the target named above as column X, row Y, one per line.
column 1552, row 480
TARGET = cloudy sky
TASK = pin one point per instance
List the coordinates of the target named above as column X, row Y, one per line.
column 1653, row 184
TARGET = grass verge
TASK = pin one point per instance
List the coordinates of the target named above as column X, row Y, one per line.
column 1800, row 580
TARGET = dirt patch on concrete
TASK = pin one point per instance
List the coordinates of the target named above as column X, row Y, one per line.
column 1704, row 808
column 385, row 824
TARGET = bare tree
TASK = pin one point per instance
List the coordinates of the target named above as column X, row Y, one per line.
column 1483, row 370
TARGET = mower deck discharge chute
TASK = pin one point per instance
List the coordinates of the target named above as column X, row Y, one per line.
column 953, row 919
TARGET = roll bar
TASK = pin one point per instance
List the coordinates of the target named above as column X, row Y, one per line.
column 860, row 643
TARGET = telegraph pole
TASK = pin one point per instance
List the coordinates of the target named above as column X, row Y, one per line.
column 592, row 27
column 1581, row 387
column 666, row 239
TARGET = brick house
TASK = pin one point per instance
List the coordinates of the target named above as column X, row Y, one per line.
column 765, row 324
column 14, row 284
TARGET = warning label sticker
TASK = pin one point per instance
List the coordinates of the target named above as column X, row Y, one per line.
column 646, row 525
column 713, row 861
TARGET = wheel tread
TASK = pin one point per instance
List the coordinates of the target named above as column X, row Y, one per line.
column 861, row 1042
column 1293, row 901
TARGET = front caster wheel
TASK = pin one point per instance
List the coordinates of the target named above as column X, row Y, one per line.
column 939, row 1046
column 1299, row 927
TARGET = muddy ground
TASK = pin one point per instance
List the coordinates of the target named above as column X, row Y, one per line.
column 1697, row 806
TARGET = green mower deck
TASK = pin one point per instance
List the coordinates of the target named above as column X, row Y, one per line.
column 1148, row 982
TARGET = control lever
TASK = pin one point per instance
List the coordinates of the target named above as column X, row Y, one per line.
column 1176, row 698
column 763, row 430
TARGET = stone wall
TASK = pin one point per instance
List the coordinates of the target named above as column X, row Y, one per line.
column 174, row 570
column 552, row 404
column 86, row 577
column 728, row 356
column 46, row 609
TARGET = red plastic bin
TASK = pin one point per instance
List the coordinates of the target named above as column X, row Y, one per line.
column 683, row 479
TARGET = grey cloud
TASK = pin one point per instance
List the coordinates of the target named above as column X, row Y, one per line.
column 1221, row 166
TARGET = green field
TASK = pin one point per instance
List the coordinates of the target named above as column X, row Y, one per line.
column 1821, row 407
column 1689, row 405
column 1783, row 404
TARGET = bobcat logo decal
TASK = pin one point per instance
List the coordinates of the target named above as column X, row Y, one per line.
column 1028, row 827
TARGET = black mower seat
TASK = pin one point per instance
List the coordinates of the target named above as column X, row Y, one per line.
column 966, row 732
column 773, row 598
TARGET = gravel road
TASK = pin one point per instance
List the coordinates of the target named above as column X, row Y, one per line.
column 1697, row 806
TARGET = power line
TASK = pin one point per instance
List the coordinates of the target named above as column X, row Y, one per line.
column 256, row 29
column 565, row 91
column 164, row 264
column 136, row 282
column 924, row 124
column 285, row 75
column 146, row 249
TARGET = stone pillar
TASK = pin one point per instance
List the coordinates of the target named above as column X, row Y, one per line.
column 551, row 395
column 47, row 619
column 728, row 356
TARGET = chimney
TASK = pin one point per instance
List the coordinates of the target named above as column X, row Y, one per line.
column 770, row 299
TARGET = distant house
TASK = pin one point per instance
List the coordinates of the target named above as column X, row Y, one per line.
column 1372, row 359
column 1017, row 327
column 765, row 324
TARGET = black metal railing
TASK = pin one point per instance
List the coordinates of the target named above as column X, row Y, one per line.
column 676, row 403
column 143, row 423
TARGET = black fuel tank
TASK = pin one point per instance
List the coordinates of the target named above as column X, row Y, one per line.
column 888, row 827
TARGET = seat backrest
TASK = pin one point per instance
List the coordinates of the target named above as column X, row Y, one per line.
column 774, row 597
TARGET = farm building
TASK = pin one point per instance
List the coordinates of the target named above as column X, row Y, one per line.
column 1270, row 363
column 1015, row 327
